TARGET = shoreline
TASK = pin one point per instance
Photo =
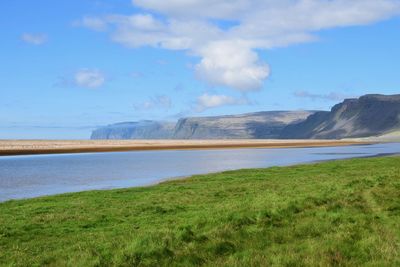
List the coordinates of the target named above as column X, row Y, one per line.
column 37, row 147
column 186, row 177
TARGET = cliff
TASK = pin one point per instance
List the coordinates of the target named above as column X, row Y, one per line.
column 252, row 125
column 261, row 125
column 369, row 115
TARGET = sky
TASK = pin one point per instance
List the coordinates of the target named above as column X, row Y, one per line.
column 70, row 66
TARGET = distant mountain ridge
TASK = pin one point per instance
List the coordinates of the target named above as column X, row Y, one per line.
column 369, row 115
column 268, row 124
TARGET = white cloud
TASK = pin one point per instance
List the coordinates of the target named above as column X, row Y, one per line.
column 231, row 64
column 145, row 22
column 156, row 102
column 207, row 101
column 228, row 54
column 35, row 39
column 92, row 23
column 222, row 9
column 89, row 78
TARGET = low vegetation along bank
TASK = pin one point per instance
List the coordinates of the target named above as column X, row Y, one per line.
column 344, row 213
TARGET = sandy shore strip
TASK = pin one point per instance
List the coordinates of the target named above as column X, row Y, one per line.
column 30, row 147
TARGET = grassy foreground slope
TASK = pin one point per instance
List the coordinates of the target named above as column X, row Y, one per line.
column 344, row 213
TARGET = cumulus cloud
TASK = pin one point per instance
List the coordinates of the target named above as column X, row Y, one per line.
column 156, row 102
column 35, row 39
column 92, row 23
column 229, row 54
column 231, row 64
column 85, row 78
column 332, row 96
column 89, row 78
column 207, row 101
column 223, row 9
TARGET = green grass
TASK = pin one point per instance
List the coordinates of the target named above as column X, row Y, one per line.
column 340, row 213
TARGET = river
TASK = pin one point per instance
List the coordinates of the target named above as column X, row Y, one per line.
column 39, row 175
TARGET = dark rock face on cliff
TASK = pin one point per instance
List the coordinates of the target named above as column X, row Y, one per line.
column 369, row 115
column 136, row 130
column 267, row 124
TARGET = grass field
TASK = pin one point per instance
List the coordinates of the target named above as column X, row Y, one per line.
column 339, row 213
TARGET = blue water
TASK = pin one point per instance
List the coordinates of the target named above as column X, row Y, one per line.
column 38, row 175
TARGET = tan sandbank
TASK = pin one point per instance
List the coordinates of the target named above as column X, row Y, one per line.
column 28, row 147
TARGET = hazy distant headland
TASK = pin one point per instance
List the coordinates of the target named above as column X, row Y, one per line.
column 369, row 115
column 259, row 125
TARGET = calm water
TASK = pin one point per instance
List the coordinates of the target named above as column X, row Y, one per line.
column 32, row 176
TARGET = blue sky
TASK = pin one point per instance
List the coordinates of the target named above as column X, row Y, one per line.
column 70, row 66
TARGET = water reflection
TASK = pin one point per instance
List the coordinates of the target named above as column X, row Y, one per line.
column 31, row 176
